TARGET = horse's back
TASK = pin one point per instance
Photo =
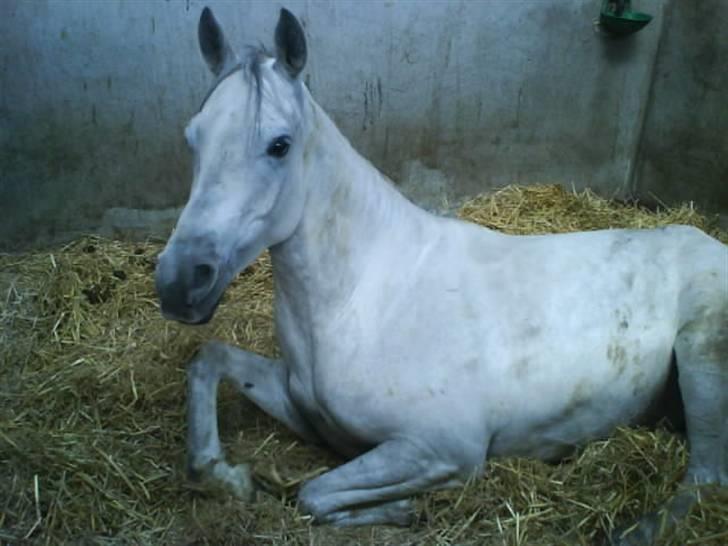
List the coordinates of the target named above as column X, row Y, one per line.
column 665, row 275
column 688, row 259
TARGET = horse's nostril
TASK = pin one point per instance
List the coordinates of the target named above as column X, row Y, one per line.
column 202, row 276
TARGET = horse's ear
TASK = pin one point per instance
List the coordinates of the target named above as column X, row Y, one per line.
column 214, row 47
column 290, row 44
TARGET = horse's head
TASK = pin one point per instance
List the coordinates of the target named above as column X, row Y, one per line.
column 247, row 190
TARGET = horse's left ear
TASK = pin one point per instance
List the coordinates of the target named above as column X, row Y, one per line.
column 290, row 44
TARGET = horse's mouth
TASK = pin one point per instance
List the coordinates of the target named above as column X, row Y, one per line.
column 207, row 317
column 192, row 315
column 211, row 313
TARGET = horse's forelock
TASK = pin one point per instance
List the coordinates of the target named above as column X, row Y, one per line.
column 250, row 67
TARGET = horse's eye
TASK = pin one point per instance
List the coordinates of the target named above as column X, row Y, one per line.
column 279, row 147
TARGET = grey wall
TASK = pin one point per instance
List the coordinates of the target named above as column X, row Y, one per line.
column 448, row 98
column 684, row 145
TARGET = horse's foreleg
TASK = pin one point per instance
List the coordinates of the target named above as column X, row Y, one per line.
column 375, row 487
column 262, row 380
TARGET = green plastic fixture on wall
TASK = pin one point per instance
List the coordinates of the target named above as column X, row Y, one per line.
column 618, row 18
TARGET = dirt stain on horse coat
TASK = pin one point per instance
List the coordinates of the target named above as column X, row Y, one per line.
column 617, row 355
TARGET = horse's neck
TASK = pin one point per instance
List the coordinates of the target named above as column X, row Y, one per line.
column 353, row 217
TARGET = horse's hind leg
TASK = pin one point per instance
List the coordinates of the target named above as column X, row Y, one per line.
column 701, row 349
column 262, row 380
column 702, row 355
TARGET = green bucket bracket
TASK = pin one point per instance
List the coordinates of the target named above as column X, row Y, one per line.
column 617, row 18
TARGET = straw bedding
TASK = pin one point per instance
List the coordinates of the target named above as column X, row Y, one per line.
column 92, row 415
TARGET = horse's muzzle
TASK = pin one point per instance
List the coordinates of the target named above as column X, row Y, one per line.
column 187, row 286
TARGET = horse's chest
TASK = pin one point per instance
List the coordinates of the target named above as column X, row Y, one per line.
column 309, row 394
column 298, row 358
column 303, row 395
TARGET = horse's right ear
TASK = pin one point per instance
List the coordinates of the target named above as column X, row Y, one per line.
column 214, row 47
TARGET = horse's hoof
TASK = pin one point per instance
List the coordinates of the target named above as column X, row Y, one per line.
column 238, row 479
column 220, row 477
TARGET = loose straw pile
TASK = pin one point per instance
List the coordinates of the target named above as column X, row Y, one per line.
column 92, row 415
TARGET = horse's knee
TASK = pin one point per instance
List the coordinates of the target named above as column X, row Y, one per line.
column 196, row 369
column 202, row 366
column 211, row 351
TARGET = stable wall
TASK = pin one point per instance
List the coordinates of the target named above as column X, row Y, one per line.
column 683, row 152
column 448, row 98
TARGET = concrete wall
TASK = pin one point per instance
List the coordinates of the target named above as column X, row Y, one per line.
column 448, row 98
column 684, row 146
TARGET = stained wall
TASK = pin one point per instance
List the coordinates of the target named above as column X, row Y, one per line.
column 447, row 98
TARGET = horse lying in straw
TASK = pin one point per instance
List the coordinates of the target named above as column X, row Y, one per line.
column 415, row 345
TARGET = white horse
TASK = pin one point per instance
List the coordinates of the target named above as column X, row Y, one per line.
column 417, row 345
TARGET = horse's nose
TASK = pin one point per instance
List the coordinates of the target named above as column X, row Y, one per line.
column 184, row 282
